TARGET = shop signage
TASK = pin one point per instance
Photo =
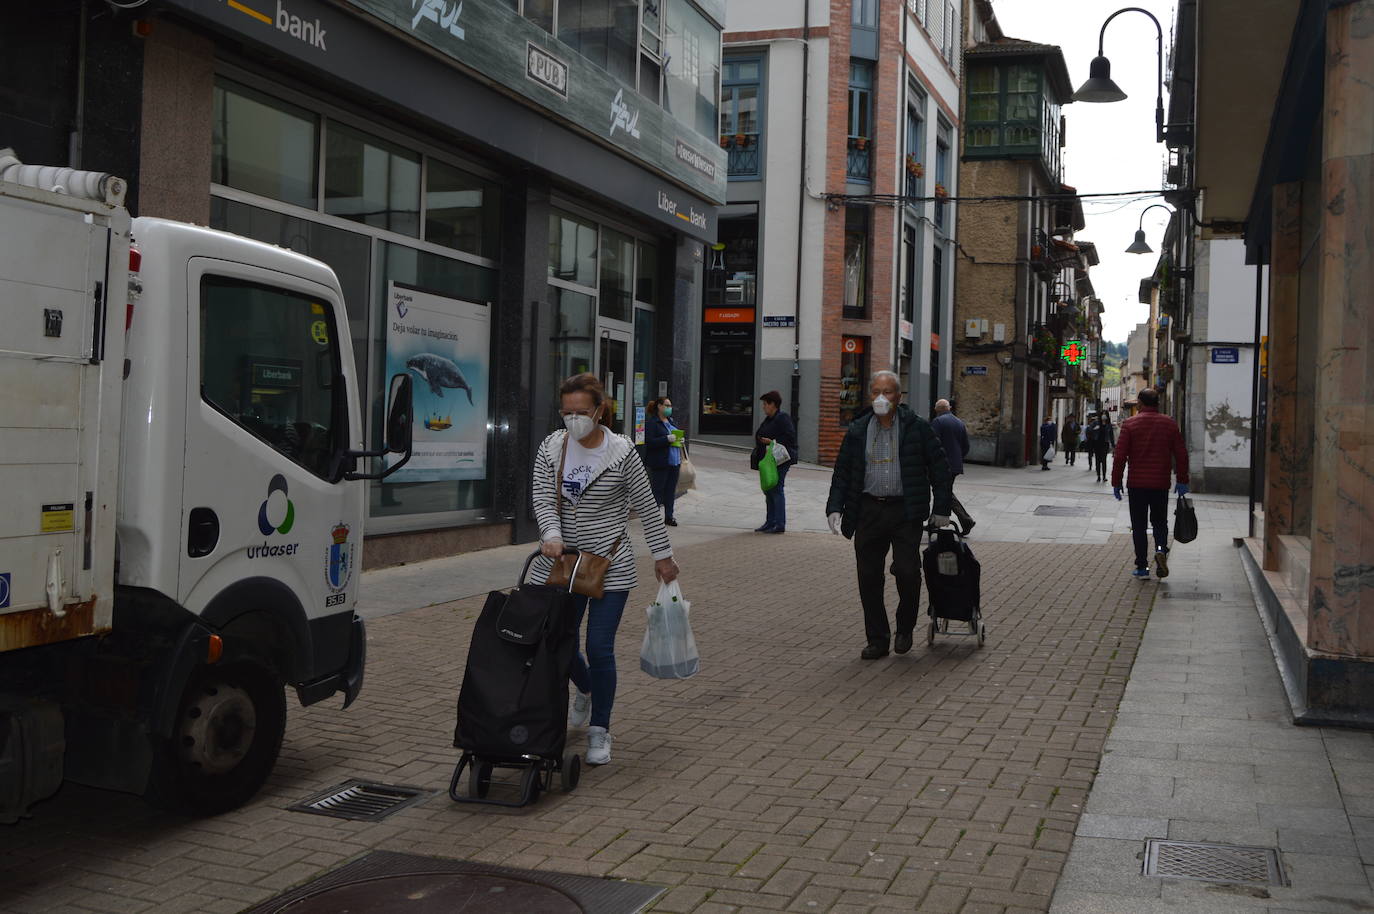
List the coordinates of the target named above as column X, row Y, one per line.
column 729, row 315
column 976, row 369
column 851, row 345
column 721, row 332
column 1225, row 355
column 906, row 330
column 545, row 69
column 444, row 345
column 779, row 320
column 275, row 374
column 688, row 214
column 442, row 13
column 692, row 158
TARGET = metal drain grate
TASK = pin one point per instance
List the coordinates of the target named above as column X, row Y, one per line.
column 362, row 801
column 1213, row 862
column 1187, row 595
column 1061, row 511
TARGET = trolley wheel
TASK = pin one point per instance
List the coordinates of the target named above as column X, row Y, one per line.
column 930, row 635
column 479, row 778
column 982, row 633
column 571, row 771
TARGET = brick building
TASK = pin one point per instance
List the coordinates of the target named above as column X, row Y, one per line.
column 1023, row 290
column 835, row 259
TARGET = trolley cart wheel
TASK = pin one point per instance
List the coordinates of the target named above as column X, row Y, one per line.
column 982, row 633
column 571, row 771
column 479, row 778
column 930, row 635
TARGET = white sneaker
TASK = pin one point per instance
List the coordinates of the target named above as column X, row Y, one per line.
column 598, row 746
column 580, row 709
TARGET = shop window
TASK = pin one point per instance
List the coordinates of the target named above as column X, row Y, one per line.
column 741, row 124
column 451, row 278
column 728, row 330
column 462, row 211
column 853, row 377
column 371, row 181
column 603, row 31
column 692, row 78
column 646, row 273
column 264, row 146
column 617, row 275
column 572, row 249
column 856, row 256
column 574, row 320
column 264, row 367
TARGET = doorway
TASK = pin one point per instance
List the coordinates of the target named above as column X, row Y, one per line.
column 613, row 368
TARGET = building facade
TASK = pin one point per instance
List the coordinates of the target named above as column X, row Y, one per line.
column 836, row 246
column 528, row 185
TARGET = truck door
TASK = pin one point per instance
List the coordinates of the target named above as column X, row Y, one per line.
column 267, row 410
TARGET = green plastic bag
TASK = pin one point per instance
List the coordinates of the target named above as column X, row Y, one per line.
column 768, row 471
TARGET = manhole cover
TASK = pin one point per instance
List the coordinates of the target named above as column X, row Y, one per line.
column 362, row 801
column 1188, row 595
column 1213, row 862
column 1061, row 511
column 382, row 882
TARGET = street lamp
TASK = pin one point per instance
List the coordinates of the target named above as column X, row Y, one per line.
column 1101, row 88
column 1139, row 246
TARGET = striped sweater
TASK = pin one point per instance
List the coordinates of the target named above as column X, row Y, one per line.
column 602, row 514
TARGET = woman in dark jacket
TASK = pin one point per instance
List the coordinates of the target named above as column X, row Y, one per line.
column 776, row 426
column 663, row 454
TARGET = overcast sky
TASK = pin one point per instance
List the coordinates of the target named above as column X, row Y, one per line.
column 1111, row 147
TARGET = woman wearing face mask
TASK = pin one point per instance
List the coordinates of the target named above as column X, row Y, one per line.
column 663, row 454
column 776, row 426
column 600, row 478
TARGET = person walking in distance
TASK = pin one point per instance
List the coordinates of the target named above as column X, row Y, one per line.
column 776, row 426
column 1069, row 437
column 889, row 478
column 1090, row 438
column 1102, row 446
column 663, row 454
column 1048, row 433
column 954, row 437
column 1148, row 440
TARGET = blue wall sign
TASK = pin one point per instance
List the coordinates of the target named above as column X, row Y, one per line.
column 1225, row 355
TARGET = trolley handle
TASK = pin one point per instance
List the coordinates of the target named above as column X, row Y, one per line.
column 567, row 550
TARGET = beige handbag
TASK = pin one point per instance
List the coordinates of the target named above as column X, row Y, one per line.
column 686, row 476
column 590, row 568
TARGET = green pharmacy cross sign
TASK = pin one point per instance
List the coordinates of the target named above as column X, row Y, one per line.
column 1073, row 352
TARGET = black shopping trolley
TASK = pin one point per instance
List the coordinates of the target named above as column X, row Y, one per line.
column 952, row 577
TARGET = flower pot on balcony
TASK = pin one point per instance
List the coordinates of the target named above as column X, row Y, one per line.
column 741, row 140
column 724, row 142
column 860, row 142
column 941, row 191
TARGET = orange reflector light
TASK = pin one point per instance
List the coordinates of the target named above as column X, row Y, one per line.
column 214, row 649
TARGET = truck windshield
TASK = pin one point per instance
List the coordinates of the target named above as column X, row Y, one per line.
column 267, row 362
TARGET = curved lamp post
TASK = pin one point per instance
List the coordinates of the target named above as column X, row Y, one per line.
column 1101, row 88
column 1139, row 246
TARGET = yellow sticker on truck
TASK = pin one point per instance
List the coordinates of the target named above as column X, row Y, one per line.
column 58, row 518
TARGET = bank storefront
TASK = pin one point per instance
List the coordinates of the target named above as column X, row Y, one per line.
column 503, row 208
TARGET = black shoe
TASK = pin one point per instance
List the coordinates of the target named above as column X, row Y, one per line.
column 876, row 650
column 776, row 530
column 766, row 528
column 670, row 521
column 968, row 527
column 902, row 643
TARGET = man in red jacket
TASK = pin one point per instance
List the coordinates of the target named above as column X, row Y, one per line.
column 1147, row 441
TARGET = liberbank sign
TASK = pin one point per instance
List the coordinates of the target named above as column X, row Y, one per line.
column 345, row 39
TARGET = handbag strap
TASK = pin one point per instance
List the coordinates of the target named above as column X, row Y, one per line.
column 558, row 485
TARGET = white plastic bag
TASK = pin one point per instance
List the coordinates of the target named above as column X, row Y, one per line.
column 1048, row 456
column 780, row 455
column 670, row 651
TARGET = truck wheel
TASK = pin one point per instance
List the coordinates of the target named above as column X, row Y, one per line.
column 225, row 742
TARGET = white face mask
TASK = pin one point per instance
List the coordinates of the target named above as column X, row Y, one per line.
column 579, row 426
column 881, row 405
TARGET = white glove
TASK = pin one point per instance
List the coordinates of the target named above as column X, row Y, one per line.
column 834, row 521
column 939, row 520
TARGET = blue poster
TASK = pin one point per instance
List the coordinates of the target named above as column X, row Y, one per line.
column 444, row 344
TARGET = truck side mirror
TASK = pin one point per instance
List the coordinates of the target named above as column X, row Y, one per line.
column 399, row 416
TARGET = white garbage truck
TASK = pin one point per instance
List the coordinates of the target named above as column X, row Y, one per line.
column 181, row 496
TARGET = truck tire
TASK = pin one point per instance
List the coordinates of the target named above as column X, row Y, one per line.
column 225, row 742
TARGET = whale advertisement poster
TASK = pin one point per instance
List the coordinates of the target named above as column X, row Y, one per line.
column 444, row 344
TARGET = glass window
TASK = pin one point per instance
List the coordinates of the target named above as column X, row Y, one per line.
column 371, row 181
column 693, row 67
column 740, row 121
column 860, row 120
column 651, row 35
column 572, row 249
column 540, row 12
column 574, row 321
column 915, row 144
column 461, row 210
column 617, row 275
column 943, row 139
column 646, row 276
column 865, row 13
column 444, row 276
column 853, row 377
column 603, row 31
column 855, row 262
column 265, row 365
column 263, row 146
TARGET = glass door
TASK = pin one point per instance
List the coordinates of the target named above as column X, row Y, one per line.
column 613, row 368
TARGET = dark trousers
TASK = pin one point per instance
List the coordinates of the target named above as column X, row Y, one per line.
column 1148, row 507
column 1070, row 452
column 775, row 501
column 1100, row 454
column 958, row 507
column 663, row 480
column 882, row 526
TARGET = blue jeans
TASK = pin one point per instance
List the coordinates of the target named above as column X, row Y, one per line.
column 596, row 672
column 663, row 480
column 776, row 502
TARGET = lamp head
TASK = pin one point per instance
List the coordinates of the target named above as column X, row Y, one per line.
column 1139, row 246
column 1099, row 87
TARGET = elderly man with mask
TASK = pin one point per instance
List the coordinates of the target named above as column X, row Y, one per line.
column 891, row 475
